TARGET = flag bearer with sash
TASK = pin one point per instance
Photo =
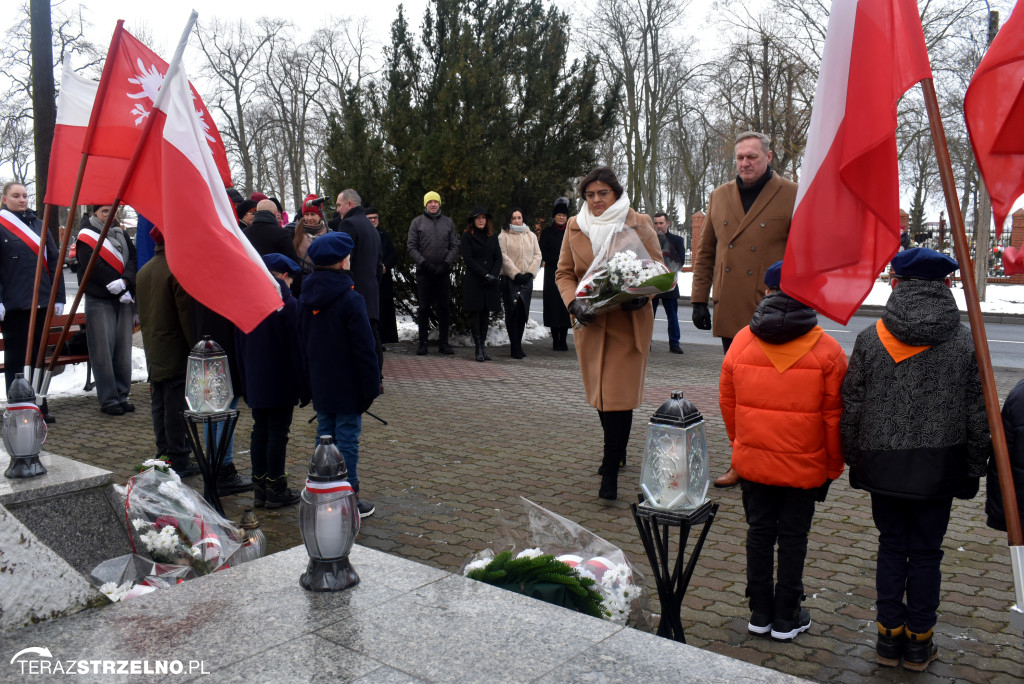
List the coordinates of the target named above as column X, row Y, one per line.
column 19, row 250
column 109, row 309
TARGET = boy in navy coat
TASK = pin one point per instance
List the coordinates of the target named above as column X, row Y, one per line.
column 273, row 381
column 338, row 350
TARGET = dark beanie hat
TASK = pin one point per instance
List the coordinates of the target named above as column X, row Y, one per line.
column 234, row 196
column 561, row 206
column 244, row 207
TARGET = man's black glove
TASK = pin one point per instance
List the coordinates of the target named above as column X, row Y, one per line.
column 701, row 316
column 635, row 303
column 426, row 268
column 581, row 312
column 443, row 268
column 490, row 280
column 822, row 491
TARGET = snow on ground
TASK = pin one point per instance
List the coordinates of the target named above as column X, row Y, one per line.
column 1000, row 299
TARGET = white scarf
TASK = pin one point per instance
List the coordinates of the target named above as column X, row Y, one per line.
column 517, row 229
column 599, row 228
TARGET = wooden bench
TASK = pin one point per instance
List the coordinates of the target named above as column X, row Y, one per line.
column 56, row 325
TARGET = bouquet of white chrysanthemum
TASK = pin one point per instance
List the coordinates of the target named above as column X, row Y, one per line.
column 621, row 271
column 563, row 563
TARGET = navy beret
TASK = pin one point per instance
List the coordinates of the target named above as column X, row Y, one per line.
column 922, row 263
column 331, row 248
column 773, row 276
column 279, row 263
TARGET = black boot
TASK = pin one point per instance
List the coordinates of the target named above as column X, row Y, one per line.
column 919, row 651
column 890, row 644
column 609, row 476
column 229, row 481
column 483, row 342
column 479, row 349
column 259, row 491
column 278, row 493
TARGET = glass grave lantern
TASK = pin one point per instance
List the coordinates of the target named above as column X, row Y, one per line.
column 24, row 430
column 208, row 378
column 254, row 542
column 674, row 475
column 328, row 521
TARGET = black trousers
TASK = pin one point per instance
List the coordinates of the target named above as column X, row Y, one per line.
column 168, row 399
column 515, row 322
column 616, row 426
column 15, row 328
column 433, row 291
column 776, row 516
column 268, row 445
column 910, row 537
column 726, row 343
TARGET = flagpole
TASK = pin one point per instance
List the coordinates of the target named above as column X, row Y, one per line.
column 65, row 239
column 128, row 174
column 995, row 419
column 36, row 285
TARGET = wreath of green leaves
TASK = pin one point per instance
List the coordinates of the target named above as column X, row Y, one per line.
column 506, row 569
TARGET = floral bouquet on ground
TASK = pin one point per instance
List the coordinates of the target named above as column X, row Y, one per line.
column 180, row 533
column 622, row 270
column 563, row 563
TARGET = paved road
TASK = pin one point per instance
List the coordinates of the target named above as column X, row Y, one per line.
column 1006, row 341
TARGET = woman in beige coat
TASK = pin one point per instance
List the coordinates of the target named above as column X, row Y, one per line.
column 520, row 256
column 612, row 347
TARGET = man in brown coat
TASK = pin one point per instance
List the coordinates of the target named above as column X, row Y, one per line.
column 744, row 233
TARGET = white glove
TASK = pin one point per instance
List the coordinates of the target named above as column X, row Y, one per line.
column 58, row 309
column 3, row 312
column 116, row 287
column 126, row 298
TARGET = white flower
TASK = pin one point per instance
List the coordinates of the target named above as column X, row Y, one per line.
column 530, row 553
column 476, row 565
column 139, row 523
column 155, row 463
column 114, row 592
column 194, row 551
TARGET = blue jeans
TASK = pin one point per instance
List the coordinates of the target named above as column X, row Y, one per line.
column 345, row 428
column 671, row 304
column 109, row 338
column 213, row 434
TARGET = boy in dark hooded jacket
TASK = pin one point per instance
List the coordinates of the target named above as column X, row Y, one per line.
column 915, row 435
column 339, row 350
column 273, row 381
column 779, row 394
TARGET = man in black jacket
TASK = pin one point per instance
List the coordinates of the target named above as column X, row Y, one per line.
column 915, row 435
column 266, row 234
column 673, row 251
column 366, row 262
column 433, row 245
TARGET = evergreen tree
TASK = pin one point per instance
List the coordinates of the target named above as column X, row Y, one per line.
column 485, row 110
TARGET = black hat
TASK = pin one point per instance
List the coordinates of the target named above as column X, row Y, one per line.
column 370, row 209
column 244, row 207
column 235, row 196
column 922, row 263
column 561, row 206
column 478, row 211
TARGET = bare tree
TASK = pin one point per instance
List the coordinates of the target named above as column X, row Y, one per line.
column 235, row 58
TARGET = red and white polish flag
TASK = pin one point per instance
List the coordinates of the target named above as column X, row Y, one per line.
column 102, row 174
column 177, row 185
column 846, row 225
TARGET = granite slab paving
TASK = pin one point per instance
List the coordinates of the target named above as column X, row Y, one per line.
column 404, row 621
column 465, row 440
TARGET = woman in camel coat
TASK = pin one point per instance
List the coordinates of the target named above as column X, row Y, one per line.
column 612, row 347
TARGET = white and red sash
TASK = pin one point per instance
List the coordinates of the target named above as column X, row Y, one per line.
column 20, row 230
column 108, row 252
column 328, row 487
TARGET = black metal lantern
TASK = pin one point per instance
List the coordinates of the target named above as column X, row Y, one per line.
column 674, row 475
column 328, row 520
column 24, row 430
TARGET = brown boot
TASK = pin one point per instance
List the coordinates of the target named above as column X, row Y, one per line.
column 730, row 479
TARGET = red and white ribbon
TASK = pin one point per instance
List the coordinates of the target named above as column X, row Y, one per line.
column 328, row 487
column 108, row 252
column 18, row 228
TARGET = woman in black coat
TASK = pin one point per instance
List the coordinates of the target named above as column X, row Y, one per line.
column 480, row 297
column 556, row 316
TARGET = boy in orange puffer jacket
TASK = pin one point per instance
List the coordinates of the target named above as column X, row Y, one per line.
column 780, row 399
